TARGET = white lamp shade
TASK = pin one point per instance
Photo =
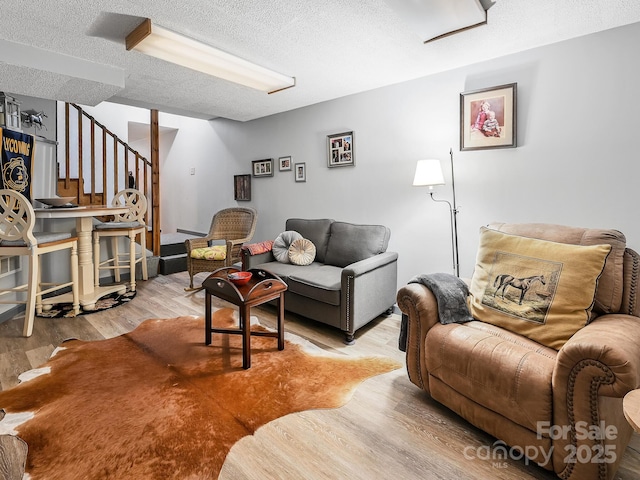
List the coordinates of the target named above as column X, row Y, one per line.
column 428, row 173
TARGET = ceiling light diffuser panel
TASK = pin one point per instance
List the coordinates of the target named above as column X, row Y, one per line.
column 159, row 42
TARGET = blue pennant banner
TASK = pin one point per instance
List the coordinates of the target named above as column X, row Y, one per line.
column 16, row 159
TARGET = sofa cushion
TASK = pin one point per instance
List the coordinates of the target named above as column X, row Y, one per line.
column 315, row 230
column 302, row 252
column 283, row 270
column 609, row 293
column 542, row 290
column 282, row 243
column 350, row 243
column 317, row 281
column 321, row 283
column 518, row 383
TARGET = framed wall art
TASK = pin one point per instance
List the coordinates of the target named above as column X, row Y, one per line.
column 284, row 164
column 301, row 172
column 340, row 152
column 262, row 168
column 488, row 118
column 242, row 187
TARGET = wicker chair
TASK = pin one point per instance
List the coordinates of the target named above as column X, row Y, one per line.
column 233, row 225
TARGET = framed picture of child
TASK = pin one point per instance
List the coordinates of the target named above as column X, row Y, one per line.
column 488, row 118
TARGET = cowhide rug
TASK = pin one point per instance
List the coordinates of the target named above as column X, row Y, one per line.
column 157, row 403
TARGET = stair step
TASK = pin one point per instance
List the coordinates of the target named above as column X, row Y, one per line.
column 173, row 264
column 173, row 243
column 172, row 249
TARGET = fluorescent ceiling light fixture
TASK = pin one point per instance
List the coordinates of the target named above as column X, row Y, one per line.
column 159, row 42
column 434, row 19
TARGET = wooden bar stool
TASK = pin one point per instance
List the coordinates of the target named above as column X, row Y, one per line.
column 17, row 238
column 130, row 225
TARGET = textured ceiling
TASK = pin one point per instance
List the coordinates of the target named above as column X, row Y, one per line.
column 74, row 51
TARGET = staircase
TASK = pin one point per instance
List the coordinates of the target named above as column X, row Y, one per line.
column 96, row 164
column 173, row 253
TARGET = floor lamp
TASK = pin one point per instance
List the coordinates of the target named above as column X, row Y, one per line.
column 428, row 174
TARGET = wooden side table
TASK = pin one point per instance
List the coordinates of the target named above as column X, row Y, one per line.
column 261, row 288
column 631, row 408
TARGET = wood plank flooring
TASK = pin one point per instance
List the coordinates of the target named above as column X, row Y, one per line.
column 390, row 429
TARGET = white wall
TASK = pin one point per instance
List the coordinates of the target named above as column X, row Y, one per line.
column 189, row 201
column 576, row 161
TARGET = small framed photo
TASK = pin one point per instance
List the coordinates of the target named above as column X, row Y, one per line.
column 242, row 187
column 340, row 150
column 262, row 168
column 488, row 118
column 284, row 164
column 301, row 172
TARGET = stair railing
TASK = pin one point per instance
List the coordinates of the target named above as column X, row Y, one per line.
column 98, row 164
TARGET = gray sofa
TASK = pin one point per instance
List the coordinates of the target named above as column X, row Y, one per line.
column 351, row 281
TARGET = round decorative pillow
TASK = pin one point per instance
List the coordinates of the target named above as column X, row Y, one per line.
column 282, row 243
column 302, row 252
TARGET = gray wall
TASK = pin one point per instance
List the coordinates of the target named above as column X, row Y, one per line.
column 576, row 161
column 33, row 104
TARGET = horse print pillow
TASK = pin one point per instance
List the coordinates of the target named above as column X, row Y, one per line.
column 536, row 288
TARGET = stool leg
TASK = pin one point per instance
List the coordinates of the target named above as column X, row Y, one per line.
column 32, row 288
column 143, row 244
column 74, row 278
column 116, row 258
column 39, row 286
column 132, row 259
column 96, row 259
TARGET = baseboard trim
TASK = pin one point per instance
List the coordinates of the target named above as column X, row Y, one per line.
column 11, row 312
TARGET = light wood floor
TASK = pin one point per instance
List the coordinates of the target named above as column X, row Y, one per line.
column 389, row 430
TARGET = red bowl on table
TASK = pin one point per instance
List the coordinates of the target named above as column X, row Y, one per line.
column 239, row 278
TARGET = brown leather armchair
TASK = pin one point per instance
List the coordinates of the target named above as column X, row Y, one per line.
column 562, row 409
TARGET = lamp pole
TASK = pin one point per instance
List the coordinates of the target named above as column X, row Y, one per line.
column 454, row 221
column 453, row 213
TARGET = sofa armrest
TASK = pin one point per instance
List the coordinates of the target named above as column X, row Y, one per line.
column 594, row 370
column 611, row 345
column 420, row 306
column 367, row 289
column 250, row 261
column 369, row 264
